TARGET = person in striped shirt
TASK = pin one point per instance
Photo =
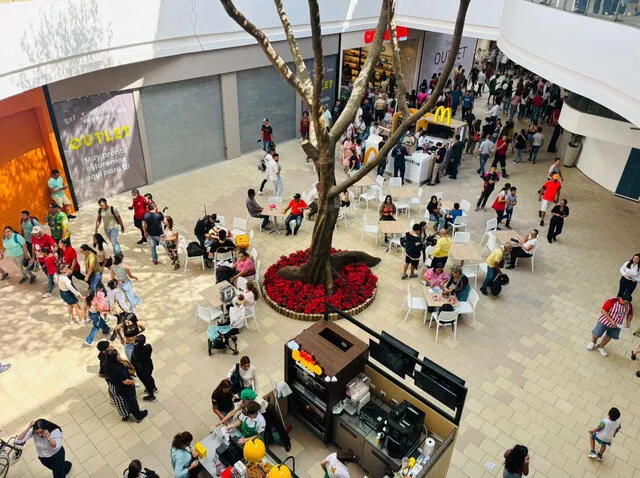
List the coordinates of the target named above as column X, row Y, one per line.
column 615, row 311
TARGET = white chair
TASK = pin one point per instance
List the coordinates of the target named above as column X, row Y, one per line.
column 370, row 195
column 226, row 256
column 414, row 303
column 460, row 222
column 444, row 319
column 352, row 201
column 461, row 237
column 395, row 239
column 403, row 205
column 254, row 254
column 238, row 226
column 465, row 206
column 241, row 283
column 471, row 271
column 532, row 258
column 492, row 225
column 491, row 244
column 417, row 199
column 256, row 278
column 182, row 248
column 380, row 181
column 275, row 200
column 469, row 306
column 206, row 314
column 342, row 215
column 250, row 313
column 369, row 229
column 221, row 220
column 395, row 182
column 254, row 219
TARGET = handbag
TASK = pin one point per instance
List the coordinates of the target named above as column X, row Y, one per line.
column 236, row 380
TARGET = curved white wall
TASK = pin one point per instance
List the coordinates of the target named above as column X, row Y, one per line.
column 606, row 146
column 595, row 58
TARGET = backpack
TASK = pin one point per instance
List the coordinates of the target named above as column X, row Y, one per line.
column 236, row 380
column 194, row 249
column 497, row 283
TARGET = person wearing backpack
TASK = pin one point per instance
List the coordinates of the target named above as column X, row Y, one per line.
column 398, row 153
column 27, row 223
column 246, row 372
column 15, row 249
column 112, row 221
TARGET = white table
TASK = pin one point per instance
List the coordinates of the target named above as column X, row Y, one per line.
column 417, row 167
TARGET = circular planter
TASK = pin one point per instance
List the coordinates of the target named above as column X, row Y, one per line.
column 355, row 290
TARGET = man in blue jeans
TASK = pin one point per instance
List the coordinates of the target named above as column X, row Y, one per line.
column 297, row 206
column 113, row 224
column 536, row 143
column 486, row 148
column 493, row 265
column 152, row 227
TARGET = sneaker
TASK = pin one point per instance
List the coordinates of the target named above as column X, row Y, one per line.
column 32, row 279
column 603, row 352
column 260, row 193
column 149, row 398
column 141, row 241
column 633, row 356
column 4, row 367
column 176, row 267
column 483, row 290
column 413, row 276
column 46, row 295
column 143, row 414
column 591, row 346
column 542, row 223
column 638, row 374
column 404, row 276
column 155, row 262
column 23, row 280
column 71, row 216
column 107, row 332
column 5, row 276
column 592, row 454
column 85, row 343
column 599, row 457
column 288, row 233
column 125, row 419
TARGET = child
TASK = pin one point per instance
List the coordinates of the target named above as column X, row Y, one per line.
column 50, row 267
column 604, row 433
column 512, row 201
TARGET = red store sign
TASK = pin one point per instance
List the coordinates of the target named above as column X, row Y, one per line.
column 403, row 34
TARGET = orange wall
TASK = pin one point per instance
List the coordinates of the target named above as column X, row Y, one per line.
column 28, row 153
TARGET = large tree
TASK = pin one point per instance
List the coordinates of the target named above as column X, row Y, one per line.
column 321, row 147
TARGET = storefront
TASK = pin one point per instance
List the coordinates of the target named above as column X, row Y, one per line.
column 28, row 153
column 355, row 49
column 435, row 51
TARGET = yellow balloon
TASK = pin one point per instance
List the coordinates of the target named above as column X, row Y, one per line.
column 279, row 471
column 254, row 450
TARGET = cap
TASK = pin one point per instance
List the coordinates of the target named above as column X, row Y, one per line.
column 248, row 394
column 265, row 120
column 296, row 196
column 556, row 176
column 36, row 230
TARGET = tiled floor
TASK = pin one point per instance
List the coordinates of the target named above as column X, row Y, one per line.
column 530, row 378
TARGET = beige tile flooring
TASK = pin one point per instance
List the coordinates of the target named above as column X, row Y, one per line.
column 530, row 378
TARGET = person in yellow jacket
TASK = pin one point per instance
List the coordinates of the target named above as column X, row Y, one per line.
column 440, row 253
column 493, row 265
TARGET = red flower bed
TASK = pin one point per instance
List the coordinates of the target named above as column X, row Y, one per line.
column 355, row 286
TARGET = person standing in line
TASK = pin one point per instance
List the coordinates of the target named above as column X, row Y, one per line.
column 266, row 132
column 398, row 153
column 57, row 187
column 58, row 223
column 500, row 203
column 15, row 249
column 603, row 434
column 96, row 317
column 558, row 213
column 273, row 174
column 474, row 135
column 489, row 181
column 482, row 78
column 248, row 373
column 516, row 462
column 630, row 276
column 184, row 460
column 120, row 375
column 520, row 144
column 456, row 156
column 128, row 330
column 305, row 123
column 555, row 168
column 412, row 248
column 69, row 256
column 537, row 140
column 614, row 312
column 171, row 236
column 139, row 206
column 512, row 201
column 141, row 360
column 438, row 165
column 348, row 150
column 40, row 241
column 27, row 223
column 102, row 253
column 467, row 103
column 69, row 294
column 501, row 155
column 486, row 149
column 112, row 223
column 50, row 269
column 222, row 399
column 116, row 398
column 494, row 264
column 47, row 437
column 92, row 268
column 122, row 273
column 549, row 193
column 153, row 230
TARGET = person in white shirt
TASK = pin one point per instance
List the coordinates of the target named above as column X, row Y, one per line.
column 273, row 174
column 482, row 78
column 487, row 147
column 312, row 200
column 47, row 437
column 525, row 248
column 333, row 467
column 248, row 373
column 494, row 111
column 630, row 276
column 604, row 433
column 555, row 169
column 69, row 293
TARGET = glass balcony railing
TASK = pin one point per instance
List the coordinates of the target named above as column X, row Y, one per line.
column 625, row 11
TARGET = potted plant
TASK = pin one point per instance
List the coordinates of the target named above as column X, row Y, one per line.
column 572, row 151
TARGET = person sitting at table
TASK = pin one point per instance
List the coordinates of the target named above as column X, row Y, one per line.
column 436, row 277
column 523, row 248
column 220, row 243
column 435, row 215
column 222, row 399
column 243, row 266
column 312, row 200
column 345, row 199
column 228, row 330
column 255, row 210
column 440, row 253
column 458, row 284
column 297, row 207
column 251, row 423
column 387, row 212
column 451, row 215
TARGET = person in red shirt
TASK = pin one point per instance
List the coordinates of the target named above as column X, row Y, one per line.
column 501, row 155
column 537, row 106
column 297, row 207
column 50, row 267
column 614, row 313
column 549, row 193
column 40, row 241
column 140, row 206
column 69, row 256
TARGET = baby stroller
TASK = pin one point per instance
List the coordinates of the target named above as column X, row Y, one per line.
column 223, row 335
column 9, row 453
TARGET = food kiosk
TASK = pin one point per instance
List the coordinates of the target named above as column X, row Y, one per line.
column 396, row 412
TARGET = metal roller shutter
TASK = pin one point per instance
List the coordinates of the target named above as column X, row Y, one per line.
column 262, row 93
column 183, row 121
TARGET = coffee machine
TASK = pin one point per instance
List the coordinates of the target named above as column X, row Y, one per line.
column 358, row 394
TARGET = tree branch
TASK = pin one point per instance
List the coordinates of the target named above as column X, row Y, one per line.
column 275, row 59
column 318, row 69
column 401, row 95
column 362, row 81
column 411, row 120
